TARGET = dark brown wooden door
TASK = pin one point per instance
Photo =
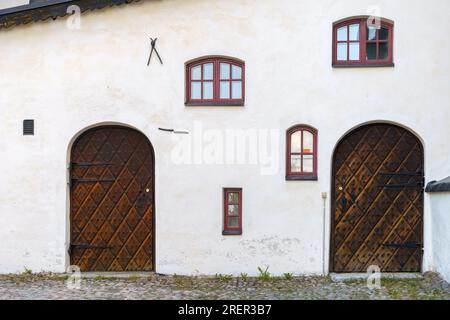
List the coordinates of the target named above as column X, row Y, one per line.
column 377, row 201
column 112, row 192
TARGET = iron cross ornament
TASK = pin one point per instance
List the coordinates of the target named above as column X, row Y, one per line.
column 153, row 44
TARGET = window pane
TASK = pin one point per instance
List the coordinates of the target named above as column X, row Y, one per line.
column 371, row 33
column 233, row 198
column 236, row 90
column 342, row 34
column 236, row 72
column 371, row 51
column 354, row 32
column 342, row 51
column 383, row 51
column 224, row 71
column 196, row 90
column 295, row 163
column 308, row 163
column 207, row 90
column 308, row 142
column 296, row 141
column 208, row 71
column 196, row 73
column 233, row 222
column 224, row 90
column 354, row 51
column 233, row 210
column 383, row 34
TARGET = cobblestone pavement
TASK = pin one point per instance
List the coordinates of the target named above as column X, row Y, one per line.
column 47, row 286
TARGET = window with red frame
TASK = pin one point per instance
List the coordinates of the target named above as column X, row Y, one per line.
column 232, row 221
column 301, row 159
column 215, row 81
column 361, row 42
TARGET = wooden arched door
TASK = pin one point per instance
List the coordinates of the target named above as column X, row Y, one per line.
column 377, row 200
column 112, row 201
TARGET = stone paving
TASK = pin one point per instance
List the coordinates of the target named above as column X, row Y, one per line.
column 54, row 287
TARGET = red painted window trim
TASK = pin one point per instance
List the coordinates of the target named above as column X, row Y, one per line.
column 227, row 230
column 216, row 101
column 301, row 175
column 363, row 61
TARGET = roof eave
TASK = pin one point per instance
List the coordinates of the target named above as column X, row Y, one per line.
column 51, row 9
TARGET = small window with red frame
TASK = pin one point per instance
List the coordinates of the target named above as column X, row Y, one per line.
column 232, row 221
column 363, row 42
column 215, row 81
column 301, row 158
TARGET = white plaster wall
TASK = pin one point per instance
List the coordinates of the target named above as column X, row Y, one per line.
column 12, row 3
column 440, row 211
column 68, row 80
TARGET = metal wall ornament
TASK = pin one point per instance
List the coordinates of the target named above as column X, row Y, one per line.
column 153, row 45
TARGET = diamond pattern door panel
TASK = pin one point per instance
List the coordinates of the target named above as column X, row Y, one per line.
column 377, row 204
column 112, row 190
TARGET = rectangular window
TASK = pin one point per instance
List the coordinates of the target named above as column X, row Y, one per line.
column 232, row 203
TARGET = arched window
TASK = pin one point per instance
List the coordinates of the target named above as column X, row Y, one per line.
column 301, row 158
column 363, row 41
column 215, row 81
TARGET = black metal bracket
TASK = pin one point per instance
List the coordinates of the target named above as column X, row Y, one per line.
column 173, row 131
column 153, row 44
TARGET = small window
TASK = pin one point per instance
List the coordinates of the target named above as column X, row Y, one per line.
column 232, row 221
column 356, row 42
column 215, row 81
column 301, row 158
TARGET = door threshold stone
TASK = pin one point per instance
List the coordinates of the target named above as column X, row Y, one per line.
column 385, row 275
column 116, row 275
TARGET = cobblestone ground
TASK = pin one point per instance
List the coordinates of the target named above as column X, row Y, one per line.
column 47, row 286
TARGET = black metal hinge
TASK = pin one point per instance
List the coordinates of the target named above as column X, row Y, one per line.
column 92, row 180
column 404, row 173
column 413, row 245
column 413, row 185
column 90, row 164
column 418, row 184
column 85, row 246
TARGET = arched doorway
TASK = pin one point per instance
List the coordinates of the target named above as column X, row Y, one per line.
column 377, row 200
column 112, row 200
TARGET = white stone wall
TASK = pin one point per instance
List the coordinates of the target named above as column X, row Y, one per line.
column 440, row 211
column 69, row 80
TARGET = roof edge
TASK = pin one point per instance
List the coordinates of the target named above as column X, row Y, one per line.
column 40, row 11
column 438, row 186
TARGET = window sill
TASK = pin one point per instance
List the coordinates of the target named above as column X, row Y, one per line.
column 232, row 232
column 214, row 104
column 383, row 65
column 301, row 178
